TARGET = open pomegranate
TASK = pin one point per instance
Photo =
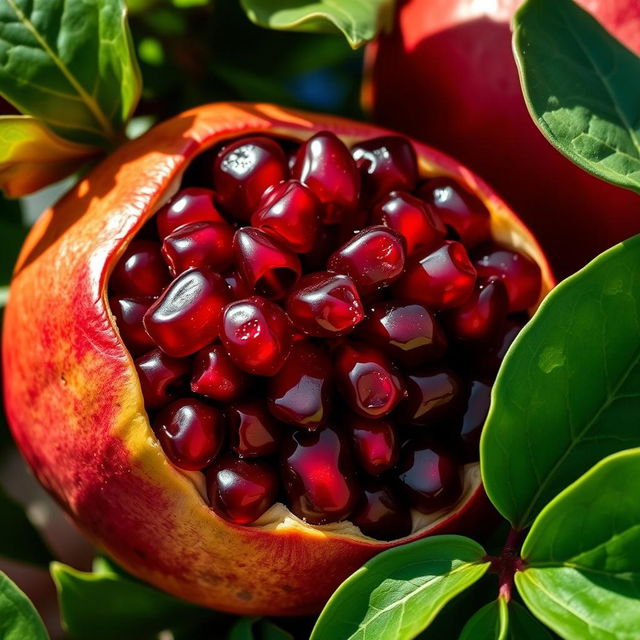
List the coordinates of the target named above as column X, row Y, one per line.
column 255, row 347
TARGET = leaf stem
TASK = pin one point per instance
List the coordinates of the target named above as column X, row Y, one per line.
column 508, row 562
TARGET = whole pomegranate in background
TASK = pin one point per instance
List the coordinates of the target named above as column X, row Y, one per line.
column 255, row 347
column 447, row 75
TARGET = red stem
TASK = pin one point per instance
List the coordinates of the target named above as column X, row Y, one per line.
column 508, row 562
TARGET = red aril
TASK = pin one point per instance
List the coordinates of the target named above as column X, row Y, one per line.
column 325, row 305
column 409, row 216
column 200, row 244
column 141, row 271
column 290, row 212
column 240, row 491
column 267, row 267
column 254, row 432
column 191, row 432
column 300, row 393
column 244, row 170
column 186, row 317
column 442, row 279
column 385, row 164
column 375, row 443
column 188, row 206
column 374, row 258
column 215, row 375
column 381, row 513
column 325, row 165
column 257, row 335
column 318, row 476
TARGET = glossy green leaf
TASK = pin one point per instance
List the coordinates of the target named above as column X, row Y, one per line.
column 106, row 605
column 399, row 592
column 19, row 539
column 31, row 157
column 489, row 623
column 270, row 631
column 70, row 63
column 582, row 89
column 568, row 392
column 360, row 22
column 451, row 619
column 242, row 629
column 500, row 620
column 19, row 619
column 583, row 565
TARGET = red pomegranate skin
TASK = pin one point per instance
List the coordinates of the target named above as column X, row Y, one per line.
column 80, row 421
column 454, row 58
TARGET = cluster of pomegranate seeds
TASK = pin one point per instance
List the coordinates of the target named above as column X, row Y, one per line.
column 321, row 326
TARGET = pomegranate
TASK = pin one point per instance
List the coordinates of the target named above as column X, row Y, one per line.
column 244, row 422
column 446, row 75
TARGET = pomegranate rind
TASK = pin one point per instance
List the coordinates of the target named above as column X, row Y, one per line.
column 76, row 410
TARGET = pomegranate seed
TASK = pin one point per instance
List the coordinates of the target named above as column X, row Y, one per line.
column 187, row 315
column 482, row 315
column 240, row 491
column 290, row 212
column 215, row 375
column 474, row 418
column 244, row 170
column 325, row 165
column 160, row 376
column 385, row 164
column 237, row 286
column 521, row 275
column 429, row 476
column 128, row 313
column 458, row 208
column 374, row 442
column 201, row 244
column 317, row 476
column 191, row 433
column 381, row 513
column 325, row 305
column 367, row 380
column 254, row 433
column 141, row 271
column 266, row 265
column 300, row 393
column 411, row 218
column 188, row 206
column 441, row 280
column 432, row 395
column 373, row 259
column 257, row 335
column 489, row 359
column 407, row 332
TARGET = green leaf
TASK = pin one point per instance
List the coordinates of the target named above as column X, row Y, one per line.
column 31, row 157
column 489, row 623
column 583, row 567
column 398, row 593
column 70, row 63
column 19, row 539
column 19, row 619
column 242, row 629
column 108, row 605
column 270, row 631
column 568, row 392
column 500, row 620
column 452, row 618
column 360, row 22
column 581, row 86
